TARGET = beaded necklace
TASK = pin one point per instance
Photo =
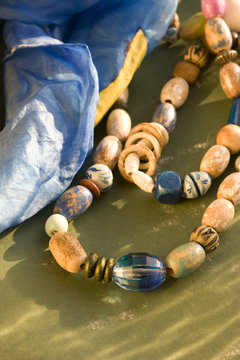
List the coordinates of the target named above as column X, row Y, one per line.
column 137, row 163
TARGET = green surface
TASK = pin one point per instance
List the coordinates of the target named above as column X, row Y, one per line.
column 47, row 313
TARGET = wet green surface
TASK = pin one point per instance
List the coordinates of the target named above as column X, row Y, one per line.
column 47, row 313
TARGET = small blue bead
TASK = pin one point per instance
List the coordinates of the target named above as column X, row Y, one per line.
column 234, row 116
column 168, row 189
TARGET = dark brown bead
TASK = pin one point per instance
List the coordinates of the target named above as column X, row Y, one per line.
column 90, row 265
column 235, row 40
column 90, row 185
column 207, row 237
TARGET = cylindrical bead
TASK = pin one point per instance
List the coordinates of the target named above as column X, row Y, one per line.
column 234, row 116
column 56, row 223
column 187, row 71
column 175, row 91
column 230, row 188
column 107, row 151
column 215, row 160
column 143, row 181
column 119, row 124
column 193, row 28
column 90, row 185
column 219, row 214
column 196, row 184
column 218, row 35
column 197, row 55
column 132, row 163
column 237, row 163
column 230, row 79
column 207, row 237
column 229, row 136
column 211, row 8
column 231, row 15
column 101, row 175
column 165, row 114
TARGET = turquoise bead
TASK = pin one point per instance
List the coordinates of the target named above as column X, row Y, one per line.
column 234, row 116
column 168, row 189
column 165, row 114
column 139, row 272
column 185, row 259
column 196, row 184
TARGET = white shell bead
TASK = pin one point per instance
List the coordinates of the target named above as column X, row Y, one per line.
column 175, row 91
column 230, row 188
column 215, row 160
column 219, row 214
column 143, row 181
column 119, row 124
column 101, row 175
column 132, row 163
column 56, row 223
column 108, row 151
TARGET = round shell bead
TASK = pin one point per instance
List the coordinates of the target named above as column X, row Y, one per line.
column 231, row 15
column 168, row 188
column 175, row 91
column 197, row 55
column 229, row 136
column 56, row 223
column 207, row 237
column 101, row 175
column 67, row 251
column 215, row 160
column 196, row 184
column 218, row 35
column 108, row 151
column 237, row 163
column 230, row 188
column 230, row 79
column 219, row 214
column 90, row 186
column 73, row 202
column 212, row 8
column 119, row 124
column 187, row 71
column 193, row 28
column 165, row 114
column 185, row 259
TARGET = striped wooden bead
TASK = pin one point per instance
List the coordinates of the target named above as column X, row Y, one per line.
column 207, row 237
column 196, row 184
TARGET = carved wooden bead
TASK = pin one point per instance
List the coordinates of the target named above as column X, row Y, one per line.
column 207, row 237
column 67, row 251
column 218, row 35
column 237, row 163
column 219, row 214
column 197, row 55
column 119, row 124
column 187, row 71
column 143, row 181
column 175, row 91
column 132, row 163
column 108, row 151
column 215, row 160
column 196, row 184
column 230, row 79
column 225, row 56
column 229, row 136
column 230, row 188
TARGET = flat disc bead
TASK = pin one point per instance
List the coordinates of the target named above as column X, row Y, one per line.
column 218, row 35
column 230, row 188
column 101, row 175
column 196, row 184
column 175, row 91
column 90, row 186
column 219, row 214
column 108, row 151
column 119, row 124
column 215, row 160
column 168, row 187
column 229, row 136
column 56, row 223
column 165, row 114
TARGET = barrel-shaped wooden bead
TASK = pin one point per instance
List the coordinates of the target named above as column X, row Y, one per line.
column 197, row 55
column 108, row 151
column 207, row 237
column 165, row 114
column 175, row 91
column 237, row 163
column 219, row 214
column 56, row 223
column 67, row 251
column 229, row 136
column 196, row 184
column 218, row 35
column 119, row 124
column 187, row 71
column 73, row 202
column 168, row 188
column 193, row 28
column 230, row 188
column 211, row 8
column 185, row 259
column 230, row 79
column 101, row 175
column 215, row 160
column 231, row 15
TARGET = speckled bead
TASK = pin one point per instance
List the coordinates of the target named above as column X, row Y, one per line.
column 218, row 35
column 197, row 55
column 185, row 259
column 108, row 151
column 175, row 91
column 230, row 79
column 119, row 124
column 234, row 116
column 193, row 28
column 219, row 214
column 101, row 175
column 196, row 184
column 73, row 202
column 229, row 136
column 171, row 35
column 237, row 163
column 187, row 71
column 168, row 188
column 56, row 223
column 165, row 114
column 230, row 188
column 207, row 237
column 215, row 160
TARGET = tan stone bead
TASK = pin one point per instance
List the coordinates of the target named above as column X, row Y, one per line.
column 230, row 188
column 119, row 124
column 219, row 214
column 107, row 151
column 67, row 251
column 215, row 160
column 187, row 71
column 175, row 91
column 230, row 79
column 229, row 136
column 237, row 163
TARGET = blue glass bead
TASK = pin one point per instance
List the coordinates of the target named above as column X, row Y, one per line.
column 165, row 114
column 139, row 272
column 168, row 189
column 196, row 184
column 234, row 116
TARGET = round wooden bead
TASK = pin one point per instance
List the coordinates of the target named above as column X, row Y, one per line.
column 108, row 151
column 211, row 8
column 237, row 163
column 171, row 35
column 207, row 237
column 219, row 214
column 67, row 251
column 119, row 124
column 231, row 15
column 187, row 71
column 185, row 259
column 90, row 186
column 230, row 188
column 215, row 160
column 225, row 56
column 197, row 55
column 101, row 175
column 168, row 188
column 193, row 28
column 230, row 79
column 175, row 91
column 196, row 184
column 218, row 35
column 73, row 202
column 229, row 136
column 165, row 114
column 56, row 223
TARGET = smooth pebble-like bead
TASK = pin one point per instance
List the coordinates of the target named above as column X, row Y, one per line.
column 119, row 124
column 193, row 28
column 171, row 35
column 108, row 151
column 215, row 160
column 143, row 181
column 56, row 223
column 139, row 272
column 218, row 35
column 168, row 188
column 230, row 188
column 73, row 202
column 211, row 8
column 90, row 185
column 185, row 259
column 67, row 251
column 196, row 184
column 231, row 14
column 229, row 136
column 234, row 116
column 101, row 175
column 229, row 75
column 187, row 71
column 165, row 114
column 237, row 163
column 175, row 91
column 197, row 55
column 207, row 237
column 219, row 214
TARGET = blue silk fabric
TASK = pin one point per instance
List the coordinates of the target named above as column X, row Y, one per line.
column 60, row 55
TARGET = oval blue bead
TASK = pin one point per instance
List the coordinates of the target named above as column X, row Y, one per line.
column 234, row 116
column 139, row 272
column 165, row 114
column 168, row 189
